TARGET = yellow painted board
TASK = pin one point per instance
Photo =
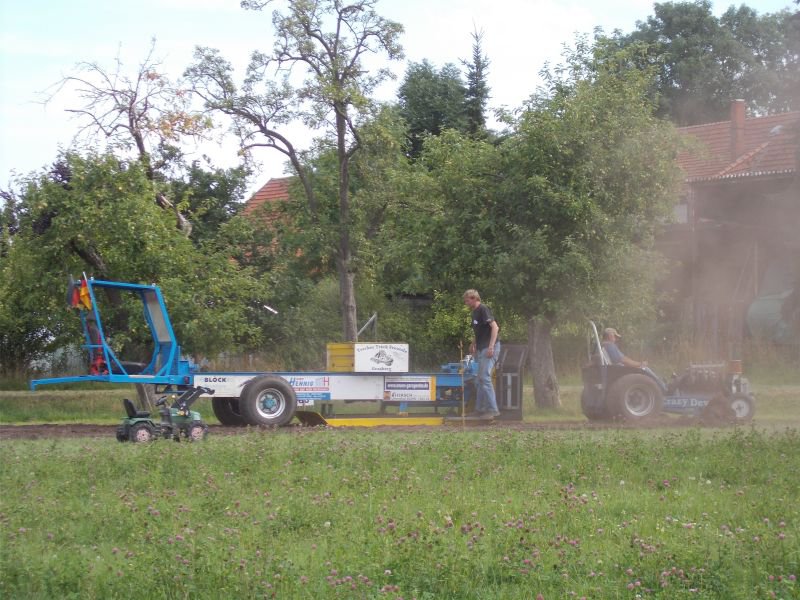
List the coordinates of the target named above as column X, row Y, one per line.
column 341, row 357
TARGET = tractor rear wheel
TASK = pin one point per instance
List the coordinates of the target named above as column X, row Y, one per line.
column 592, row 412
column 268, row 401
column 743, row 406
column 142, row 432
column 227, row 411
column 634, row 397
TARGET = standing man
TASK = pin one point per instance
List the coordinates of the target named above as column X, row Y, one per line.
column 486, row 348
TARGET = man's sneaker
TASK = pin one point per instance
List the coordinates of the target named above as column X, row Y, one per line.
column 490, row 414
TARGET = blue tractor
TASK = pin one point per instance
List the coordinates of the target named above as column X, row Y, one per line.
column 716, row 391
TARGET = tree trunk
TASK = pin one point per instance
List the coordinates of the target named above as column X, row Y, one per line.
column 147, row 396
column 347, row 299
column 543, row 368
column 344, row 260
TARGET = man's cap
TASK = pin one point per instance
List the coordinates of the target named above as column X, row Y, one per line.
column 611, row 331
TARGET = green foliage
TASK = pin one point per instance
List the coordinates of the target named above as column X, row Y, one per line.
column 477, row 93
column 450, row 216
column 450, row 321
column 209, row 197
column 97, row 215
column 704, row 61
column 363, row 514
column 432, row 101
column 588, row 175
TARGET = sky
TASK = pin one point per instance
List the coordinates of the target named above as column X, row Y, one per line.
column 42, row 41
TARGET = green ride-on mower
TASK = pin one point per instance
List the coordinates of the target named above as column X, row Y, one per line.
column 177, row 421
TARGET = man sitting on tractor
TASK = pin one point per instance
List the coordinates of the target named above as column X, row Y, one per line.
column 614, row 354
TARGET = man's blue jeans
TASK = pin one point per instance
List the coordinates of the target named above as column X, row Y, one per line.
column 485, row 400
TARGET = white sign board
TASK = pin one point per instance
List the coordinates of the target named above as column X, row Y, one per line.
column 380, row 358
column 411, row 388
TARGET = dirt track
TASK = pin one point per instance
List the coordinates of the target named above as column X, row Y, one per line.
column 78, row 430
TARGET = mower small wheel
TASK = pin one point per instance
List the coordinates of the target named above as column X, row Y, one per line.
column 121, row 435
column 743, row 406
column 197, row 431
column 142, row 432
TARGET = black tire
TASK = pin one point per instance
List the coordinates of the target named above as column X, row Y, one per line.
column 227, row 411
column 592, row 412
column 142, row 432
column 634, row 397
column 268, row 401
column 196, row 431
column 121, row 435
column 743, row 407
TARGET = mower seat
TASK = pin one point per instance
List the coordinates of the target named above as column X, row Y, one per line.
column 131, row 411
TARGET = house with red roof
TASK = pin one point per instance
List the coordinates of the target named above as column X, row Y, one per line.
column 263, row 204
column 737, row 239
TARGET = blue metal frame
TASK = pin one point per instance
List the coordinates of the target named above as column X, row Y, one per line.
column 165, row 366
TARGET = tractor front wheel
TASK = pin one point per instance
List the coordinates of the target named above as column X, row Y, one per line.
column 142, row 432
column 635, row 397
column 743, row 406
column 268, row 401
column 197, row 431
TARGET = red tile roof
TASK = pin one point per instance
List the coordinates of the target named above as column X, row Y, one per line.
column 263, row 200
column 765, row 146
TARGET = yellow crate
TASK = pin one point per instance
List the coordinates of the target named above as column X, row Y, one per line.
column 341, row 357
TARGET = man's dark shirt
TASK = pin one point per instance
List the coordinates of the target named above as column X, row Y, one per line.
column 481, row 325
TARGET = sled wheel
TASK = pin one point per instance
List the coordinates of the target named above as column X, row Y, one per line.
column 268, row 401
column 634, row 397
column 743, row 406
column 227, row 411
column 197, row 431
column 142, row 432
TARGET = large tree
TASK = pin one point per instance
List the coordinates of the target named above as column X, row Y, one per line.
column 431, row 101
column 329, row 41
column 477, row 96
column 140, row 111
column 703, row 61
column 589, row 172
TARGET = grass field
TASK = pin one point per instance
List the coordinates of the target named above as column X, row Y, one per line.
column 435, row 513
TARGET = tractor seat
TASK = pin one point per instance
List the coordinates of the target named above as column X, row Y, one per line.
column 131, row 411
